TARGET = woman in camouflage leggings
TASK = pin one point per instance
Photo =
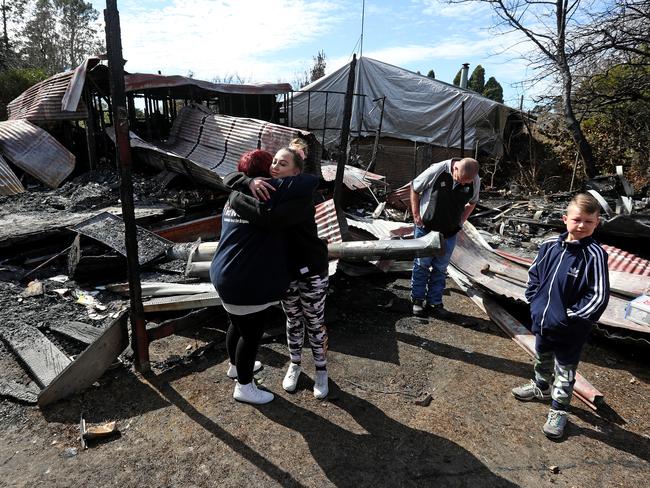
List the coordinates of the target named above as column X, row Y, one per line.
column 304, row 304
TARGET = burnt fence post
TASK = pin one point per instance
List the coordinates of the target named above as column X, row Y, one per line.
column 139, row 340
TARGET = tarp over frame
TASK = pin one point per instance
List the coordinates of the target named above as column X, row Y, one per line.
column 417, row 108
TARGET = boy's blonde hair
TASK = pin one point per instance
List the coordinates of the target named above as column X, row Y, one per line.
column 585, row 203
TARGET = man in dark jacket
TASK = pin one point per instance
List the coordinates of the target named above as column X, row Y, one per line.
column 442, row 197
column 568, row 290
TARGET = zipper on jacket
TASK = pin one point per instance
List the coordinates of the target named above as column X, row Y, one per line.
column 550, row 287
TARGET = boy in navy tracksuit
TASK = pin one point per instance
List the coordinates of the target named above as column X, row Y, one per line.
column 568, row 290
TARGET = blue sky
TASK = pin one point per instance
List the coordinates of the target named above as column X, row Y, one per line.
column 274, row 40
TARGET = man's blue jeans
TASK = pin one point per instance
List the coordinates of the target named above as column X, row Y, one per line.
column 429, row 274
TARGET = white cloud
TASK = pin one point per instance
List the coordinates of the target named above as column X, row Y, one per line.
column 442, row 8
column 221, row 37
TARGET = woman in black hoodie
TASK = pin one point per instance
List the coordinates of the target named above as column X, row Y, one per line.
column 304, row 303
column 250, row 270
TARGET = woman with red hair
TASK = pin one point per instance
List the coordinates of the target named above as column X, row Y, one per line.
column 250, row 268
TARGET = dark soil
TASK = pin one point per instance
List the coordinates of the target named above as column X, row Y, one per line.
column 179, row 425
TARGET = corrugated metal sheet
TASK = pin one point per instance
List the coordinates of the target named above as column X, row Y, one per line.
column 57, row 98
column 354, row 178
column 619, row 260
column 35, row 151
column 137, row 82
column 9, row 182
column 400, row 198
column 382, row 229
column 328, row 228
column 207, row 146
column 326, row 222
column 507, row 278
column 626, row 262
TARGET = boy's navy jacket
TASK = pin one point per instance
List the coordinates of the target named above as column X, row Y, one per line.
column 250, row 265
column 568, row 288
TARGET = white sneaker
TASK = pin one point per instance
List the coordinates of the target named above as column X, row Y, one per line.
column 232, row 370
column 290, row 381
column 320, row 385
column 249, row 393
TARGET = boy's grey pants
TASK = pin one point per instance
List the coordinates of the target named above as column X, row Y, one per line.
column 556, row 364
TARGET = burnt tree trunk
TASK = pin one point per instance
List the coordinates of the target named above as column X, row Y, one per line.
column 562, row 63
column 573, row 126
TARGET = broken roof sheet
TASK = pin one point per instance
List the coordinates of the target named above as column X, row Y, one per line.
column 207, row 146
column 504, row 277
column 35, row 151
column 382, row 229
column 354, row 178
column 139, row 82
column 110, row 230
column 9, row 182
column 57, row 98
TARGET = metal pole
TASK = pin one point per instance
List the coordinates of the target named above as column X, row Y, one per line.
column 462, row 129
column 140, row 343
column 90, row 129
column 375, row 146
column 343, row 148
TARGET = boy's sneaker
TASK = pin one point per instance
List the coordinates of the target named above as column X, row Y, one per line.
column 531, row 391
column 418, row 307
column 555, row 424
column 439, row 311
column 290, row 381
column 249, row 393
column 232, row 370
column 320, row 385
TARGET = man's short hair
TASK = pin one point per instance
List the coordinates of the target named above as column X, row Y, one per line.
column 585, row 203
column 467, row 167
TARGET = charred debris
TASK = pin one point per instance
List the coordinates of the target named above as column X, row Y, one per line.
column 63, row 271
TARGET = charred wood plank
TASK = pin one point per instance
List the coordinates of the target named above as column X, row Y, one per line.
column 184, row 302
column 41, row 357
column 90, row 364
column 78, row 331
column 18, row 391
column 194, row 319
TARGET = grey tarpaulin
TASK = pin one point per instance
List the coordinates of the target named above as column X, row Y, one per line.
column 417, row 108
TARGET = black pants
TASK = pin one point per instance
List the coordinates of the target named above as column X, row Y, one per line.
column 243, row 339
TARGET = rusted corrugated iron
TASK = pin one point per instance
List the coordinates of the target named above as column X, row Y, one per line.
column 326, row 222
column 353, row 178
column 400, row 198
column 206, row 146
column 57, row 98
column 137, row 82
column 35, row 151
column 626, row 262
column 505, row 277
column 9, row 182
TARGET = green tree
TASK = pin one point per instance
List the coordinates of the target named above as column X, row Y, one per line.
column 318, row 69
column 12, row 12
column 13, row 82
column 493, row 90
column 431, row 74
column 457, row 78
column 41, row 39
column 78, row 36
column 476, row 81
